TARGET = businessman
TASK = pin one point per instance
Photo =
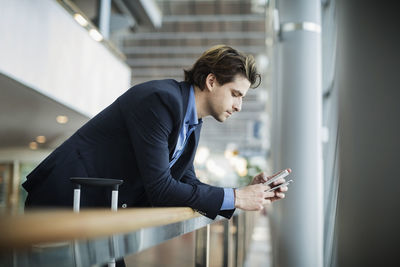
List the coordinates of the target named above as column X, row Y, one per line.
column 148, row 138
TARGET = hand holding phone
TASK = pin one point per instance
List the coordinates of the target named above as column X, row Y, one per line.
column 283, row 174
column 280, row 185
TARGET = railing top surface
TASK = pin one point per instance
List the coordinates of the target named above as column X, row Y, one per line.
column 19, row 231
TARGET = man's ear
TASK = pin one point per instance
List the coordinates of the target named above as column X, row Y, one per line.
column 210, row 82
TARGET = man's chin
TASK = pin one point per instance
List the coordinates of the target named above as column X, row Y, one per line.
column 222, row 118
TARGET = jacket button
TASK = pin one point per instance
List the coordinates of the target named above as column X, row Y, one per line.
column 124, row 206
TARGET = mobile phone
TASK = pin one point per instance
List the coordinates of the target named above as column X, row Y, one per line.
column 283, row 174
column 278, row 186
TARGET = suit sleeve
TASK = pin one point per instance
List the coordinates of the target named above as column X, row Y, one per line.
column 149, row 123
column 190, row 178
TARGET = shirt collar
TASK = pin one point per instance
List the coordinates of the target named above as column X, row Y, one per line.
column 191, row 112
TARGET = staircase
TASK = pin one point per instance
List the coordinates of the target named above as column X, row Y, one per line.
column 188, row 29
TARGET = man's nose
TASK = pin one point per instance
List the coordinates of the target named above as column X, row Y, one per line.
column 237, row 106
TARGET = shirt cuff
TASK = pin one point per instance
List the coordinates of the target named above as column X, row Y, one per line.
column 229, row 199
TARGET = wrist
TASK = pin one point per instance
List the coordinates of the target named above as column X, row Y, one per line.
column 234, row 197
column 235, row 193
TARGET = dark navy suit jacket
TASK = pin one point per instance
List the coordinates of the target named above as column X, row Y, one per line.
column 133, row 139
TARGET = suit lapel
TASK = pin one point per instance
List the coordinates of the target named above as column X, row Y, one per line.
column 187, row 157
column 183, row 89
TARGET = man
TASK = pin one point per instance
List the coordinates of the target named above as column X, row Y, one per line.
column 148, row 138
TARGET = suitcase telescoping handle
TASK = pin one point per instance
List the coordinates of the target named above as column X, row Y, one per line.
column 80, row 181
column 114, row 183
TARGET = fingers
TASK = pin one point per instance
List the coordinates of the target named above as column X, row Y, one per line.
column 263, row 196
column 255, row 197
column 268, row 194
column 278, row 182
column 264, row 177
column 283, row 189
column 261, row 177
column 266, row 202
column 263, row 187
column 274, row 194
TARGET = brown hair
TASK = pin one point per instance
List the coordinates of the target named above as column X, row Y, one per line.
column 225, row 63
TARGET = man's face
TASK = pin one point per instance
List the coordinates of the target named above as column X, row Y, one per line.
column 226, row 99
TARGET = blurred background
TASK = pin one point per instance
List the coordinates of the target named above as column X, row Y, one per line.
column 327, row 106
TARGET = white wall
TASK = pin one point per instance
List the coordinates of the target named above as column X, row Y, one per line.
column 42, row 46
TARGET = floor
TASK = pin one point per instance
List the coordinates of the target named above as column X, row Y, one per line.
column 260, row 250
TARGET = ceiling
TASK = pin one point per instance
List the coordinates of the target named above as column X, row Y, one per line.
column 188, row 28
column 25, row 114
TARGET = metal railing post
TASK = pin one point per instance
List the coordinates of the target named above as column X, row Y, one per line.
column 226, row 242
column 240, row 239
column 202, row 249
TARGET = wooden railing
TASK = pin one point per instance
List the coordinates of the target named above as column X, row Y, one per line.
column 54, row 226
column 41, row 238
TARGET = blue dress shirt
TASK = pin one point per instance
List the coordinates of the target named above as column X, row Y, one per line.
column 190, row 123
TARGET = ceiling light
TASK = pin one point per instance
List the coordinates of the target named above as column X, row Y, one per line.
column 61, row 119
column 81, row 20
column 33, row 145
column 41, row 139
column 96, row 35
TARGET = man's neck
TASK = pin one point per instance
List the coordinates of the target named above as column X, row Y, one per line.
column 201, row 102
